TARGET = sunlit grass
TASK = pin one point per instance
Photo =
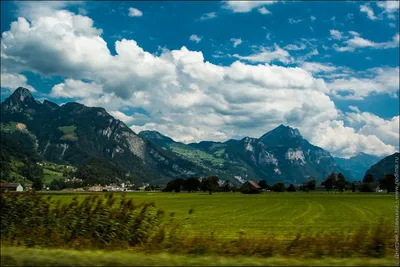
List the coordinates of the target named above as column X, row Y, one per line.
column 17, row 256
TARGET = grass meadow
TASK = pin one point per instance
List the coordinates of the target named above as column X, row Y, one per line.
column 226, row 215
column 223, row 229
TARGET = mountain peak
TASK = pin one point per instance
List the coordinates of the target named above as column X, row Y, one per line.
column 283, row 131
column 21, row 94
column 282, row 136
column 20, row 99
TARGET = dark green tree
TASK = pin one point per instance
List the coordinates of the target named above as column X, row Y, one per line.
column 368, row 178
column 192, row 184
column 388, row 182
column 210, row 184
column 291, row 188
column 263, row 184
column 278, row 187
column 328, row 183
column 340, row 183
column 37, row 184
column 227, row 186
column 368, row 184
column 311, row 184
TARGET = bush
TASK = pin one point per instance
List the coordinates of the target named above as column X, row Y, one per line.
column 98, row 221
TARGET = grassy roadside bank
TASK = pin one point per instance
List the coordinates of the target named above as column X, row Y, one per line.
column 19, row 256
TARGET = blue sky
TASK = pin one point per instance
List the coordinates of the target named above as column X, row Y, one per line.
column 216, row 70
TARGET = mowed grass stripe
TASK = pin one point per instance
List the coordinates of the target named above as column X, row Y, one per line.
column 284, row 214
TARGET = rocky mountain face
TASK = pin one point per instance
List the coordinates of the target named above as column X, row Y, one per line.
column 355, row 167
column 385, row 166
column 73, row 132
column 280, row 155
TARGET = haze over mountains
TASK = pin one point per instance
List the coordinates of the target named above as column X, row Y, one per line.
column 73, row 132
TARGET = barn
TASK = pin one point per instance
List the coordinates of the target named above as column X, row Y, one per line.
column 250, row 187
column 12, row 187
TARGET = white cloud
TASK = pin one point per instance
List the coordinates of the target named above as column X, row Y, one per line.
column 354, row 108
column 345, row 141
column 370, row 124
column 207, row 16
column 392, row 25
column 295, row 47
column 294, row 21
column 11, row 81
column 134, row 12
column 137, row 118
column 359, row 42
column 369, row 11
column 338, row 35
column 195, row 38
column 245, row 6
column 382, row 80
column 264, row 11
column 313, row 18
column 315, row 67
column 268, row 55
column 354, row 33
column 236, row 41
column 390, row 8
column 75, row 89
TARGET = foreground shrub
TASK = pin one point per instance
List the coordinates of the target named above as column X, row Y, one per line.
column 97, row 221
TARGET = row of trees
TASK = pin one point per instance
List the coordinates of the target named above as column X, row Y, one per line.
column 194, row 184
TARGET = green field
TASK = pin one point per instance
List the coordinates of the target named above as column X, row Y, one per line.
column 50, row 175
column 283, row 214
column 14, row 256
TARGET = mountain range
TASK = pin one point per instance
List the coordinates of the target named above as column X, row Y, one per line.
column 72, row 133
column 356, row 166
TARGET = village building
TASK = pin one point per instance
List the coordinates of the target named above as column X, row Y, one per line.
column 250, row 187
column 12, row 187
column 95, row 188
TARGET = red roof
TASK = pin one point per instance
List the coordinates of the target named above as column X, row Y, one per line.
column 256, row 186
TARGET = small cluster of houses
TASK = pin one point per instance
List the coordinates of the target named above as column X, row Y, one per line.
column 116, row 188
column 73, row 180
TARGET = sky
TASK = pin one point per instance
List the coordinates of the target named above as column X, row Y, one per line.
column 216, row 70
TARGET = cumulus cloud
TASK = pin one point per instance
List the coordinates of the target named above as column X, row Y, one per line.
column 11, row 81
column 75, row 89
column 345, row 141
column 182, row 94
column 370, row 124
column 245, row 6
column 195, row 38
column 381, row 80
column 134, row 12
column 313, row 18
